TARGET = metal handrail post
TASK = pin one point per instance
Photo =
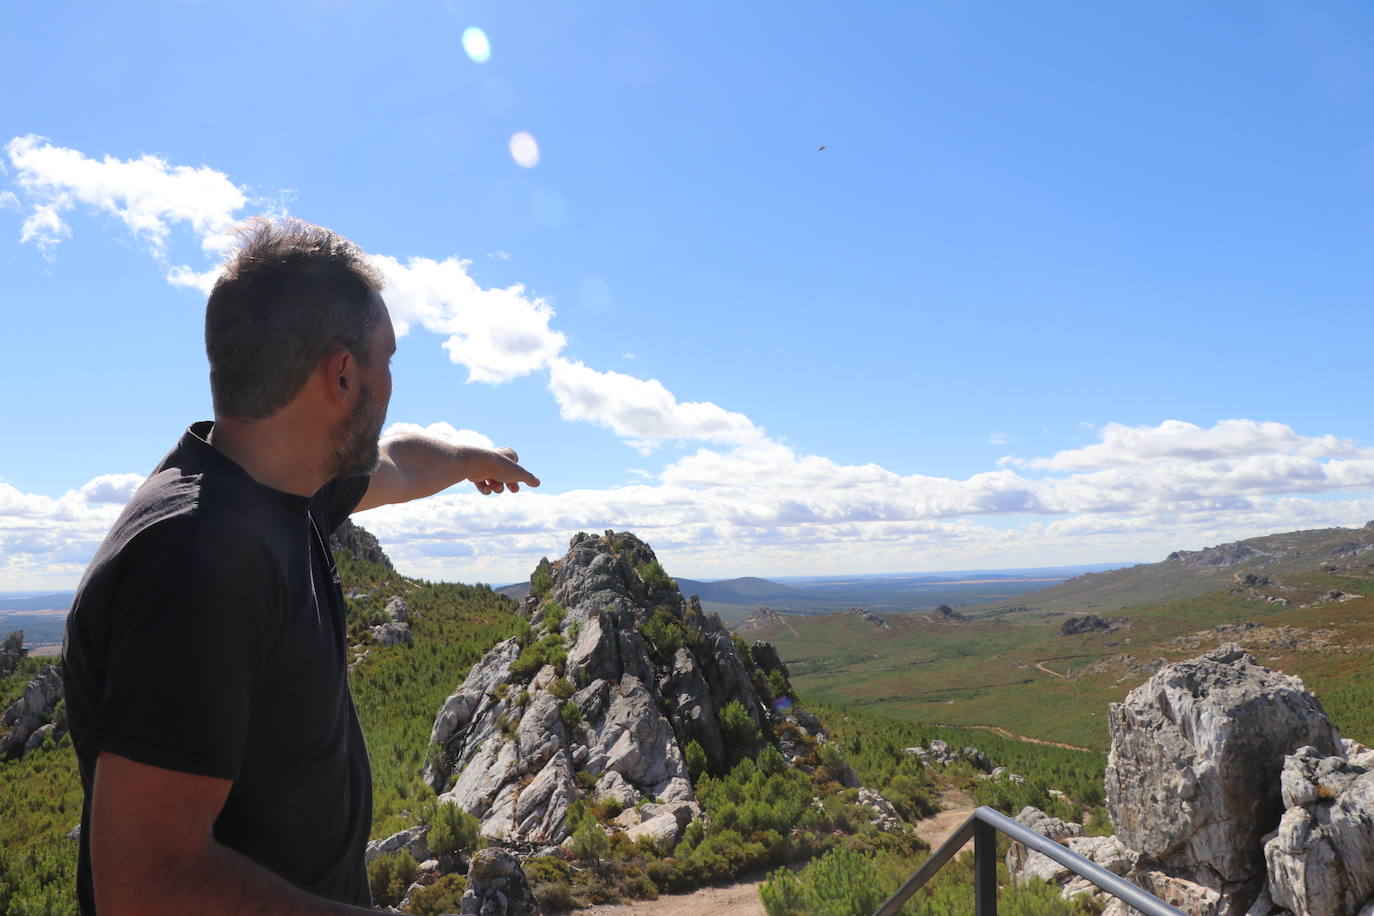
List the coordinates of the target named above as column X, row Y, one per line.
column 983, row 827
column 985, row 869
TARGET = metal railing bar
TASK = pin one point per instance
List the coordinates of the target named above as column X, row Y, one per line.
column 1111, row 883
column 928, row 869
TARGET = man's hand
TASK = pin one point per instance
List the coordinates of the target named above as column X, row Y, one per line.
column 413, row 466
column 503, row 473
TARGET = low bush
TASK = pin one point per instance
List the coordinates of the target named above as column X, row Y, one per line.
column 390, row 876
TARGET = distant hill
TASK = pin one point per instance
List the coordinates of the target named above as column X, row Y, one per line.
column 52, row 601
column 1192, row 573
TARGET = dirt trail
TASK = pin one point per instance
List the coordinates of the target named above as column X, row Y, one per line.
column 998, row 730
column 743, row 899
column 734, row 899
column 1041, row 666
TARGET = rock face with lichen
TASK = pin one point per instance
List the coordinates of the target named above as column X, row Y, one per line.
column 1232, row 794
column 617, row 676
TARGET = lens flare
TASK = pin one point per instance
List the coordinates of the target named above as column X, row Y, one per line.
column 477, row 45
column 524, row 150
column 783, row 705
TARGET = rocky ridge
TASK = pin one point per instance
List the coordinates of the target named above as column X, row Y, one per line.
column 1231, row 794
column 619, row 687
column 32, row 719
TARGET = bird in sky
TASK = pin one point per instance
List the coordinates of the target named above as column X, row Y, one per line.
column 819, row 148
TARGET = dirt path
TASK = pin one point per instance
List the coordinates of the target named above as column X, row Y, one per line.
column 734, row 900
column 1041, row 666
column 743, row 899
column 935, row 830
column 998, row 730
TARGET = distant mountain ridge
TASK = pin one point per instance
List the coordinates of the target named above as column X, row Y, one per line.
column 1188, row 574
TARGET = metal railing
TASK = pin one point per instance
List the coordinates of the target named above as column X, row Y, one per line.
column 982, row 826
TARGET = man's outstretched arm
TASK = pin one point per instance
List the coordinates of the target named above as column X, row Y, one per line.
column 153, row 850
column 413, row 466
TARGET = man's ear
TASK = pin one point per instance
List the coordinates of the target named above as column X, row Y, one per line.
column 339, row 372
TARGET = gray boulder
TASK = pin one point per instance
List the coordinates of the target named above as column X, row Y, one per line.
column 1193, row 775
column 497, row 887
column 1321, row 861
column 411, row 840
column 33, row 710
column 397, row 609
column 392, row 634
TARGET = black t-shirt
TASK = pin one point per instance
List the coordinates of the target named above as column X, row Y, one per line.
column 208, row 636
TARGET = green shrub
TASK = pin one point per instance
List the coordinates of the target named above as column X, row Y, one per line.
column 839, row 883
column 562, row 688
column 653, row 576
column 541, row 580
column 389, row 876
column 737, row 727
column 695, row 759
column 554, row 615
column 641, row 887
column 664, row 632
column 571, row 714
column 453, row 830
column 443, row 896
column 549, row 650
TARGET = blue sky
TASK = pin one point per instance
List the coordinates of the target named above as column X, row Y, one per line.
column 1068, row 283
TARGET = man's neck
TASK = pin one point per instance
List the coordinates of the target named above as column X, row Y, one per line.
column 272, row 452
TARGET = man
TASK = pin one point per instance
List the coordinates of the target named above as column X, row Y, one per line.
column 204, row 662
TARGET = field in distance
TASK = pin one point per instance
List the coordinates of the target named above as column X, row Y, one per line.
column 1302, row 603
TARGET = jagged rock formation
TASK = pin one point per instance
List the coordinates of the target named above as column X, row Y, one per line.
column 1321, row 862
column 359, row 542
column 12, row 652
column 645, row 674
column 29, row 719
column 1088, row 623
column 877, row 621
column 392, row 633
column 1219, row 556
column 941, row 753
column 1193, row 773
column 1231, row 793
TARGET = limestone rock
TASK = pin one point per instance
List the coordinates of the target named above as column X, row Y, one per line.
column 881, row 813
column 1024, row 863
column 397, row 609
column 1193, row 775
column 497, row 887
column 354, row 539
column 651, row 674
column 1321, row 861
column 411, row 840
column 31, row 711
column 392, row 634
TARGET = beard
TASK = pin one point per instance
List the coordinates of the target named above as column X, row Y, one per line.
column 355, row 450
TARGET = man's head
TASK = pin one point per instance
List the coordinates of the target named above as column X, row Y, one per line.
column 292, row 294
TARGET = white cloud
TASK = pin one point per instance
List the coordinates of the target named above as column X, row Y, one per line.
column 1180, row 441
column 642, row 411
column 147, row 194
column 442, row 431
column 498, row 334
column 1000, row 439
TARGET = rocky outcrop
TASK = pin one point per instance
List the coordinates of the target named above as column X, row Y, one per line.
column 1221, row 555
column 351, row 538
column 497, row 887
column 30, row 713
column 392, row 633
column 1194, row 769
column 1088, row 623
column 941, row 753
column 1232, row 794
column 1321, row 861
column 617, row 677
column 12, row 652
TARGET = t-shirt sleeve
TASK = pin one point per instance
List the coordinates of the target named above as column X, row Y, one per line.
column 339, row 497
column 183, row 671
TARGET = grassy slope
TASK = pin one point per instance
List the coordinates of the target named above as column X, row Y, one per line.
column 984, row 672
